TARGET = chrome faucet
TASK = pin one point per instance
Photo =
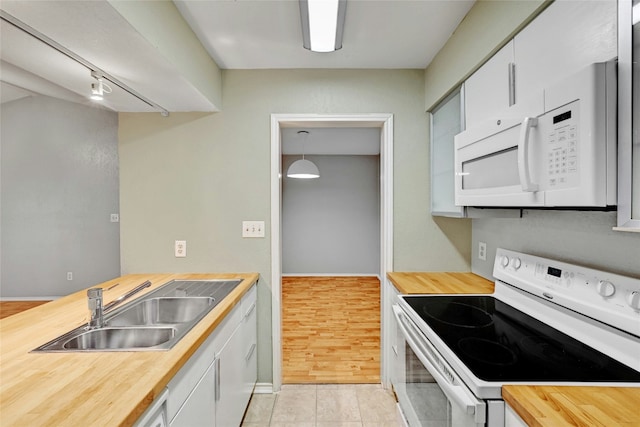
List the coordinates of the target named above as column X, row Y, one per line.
column 94, row 296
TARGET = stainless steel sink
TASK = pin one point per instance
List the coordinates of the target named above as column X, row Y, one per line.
column 120, row 338
column 155, row 321
column 162, row 311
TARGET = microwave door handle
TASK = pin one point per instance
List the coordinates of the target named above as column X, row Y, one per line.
column 523, row 155
column 453, row 391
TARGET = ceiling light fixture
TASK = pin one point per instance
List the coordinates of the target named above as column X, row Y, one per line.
column 100, row 88
column 322, row 24
column 303, row 169
column 5, row 17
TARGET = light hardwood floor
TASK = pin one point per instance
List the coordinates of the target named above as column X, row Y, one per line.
column 330, row 330
column 8, row 308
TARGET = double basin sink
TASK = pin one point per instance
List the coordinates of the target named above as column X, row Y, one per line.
column 155, row 321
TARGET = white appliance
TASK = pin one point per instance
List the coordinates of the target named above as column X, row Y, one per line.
column 547, row 323
column 561, row 156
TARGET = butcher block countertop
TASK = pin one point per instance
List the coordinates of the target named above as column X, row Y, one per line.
column 440, row 283
column 549, row 406
column 539, row 406
column 92, row 388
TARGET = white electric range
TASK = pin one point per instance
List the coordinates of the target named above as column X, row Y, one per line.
column 548, row 322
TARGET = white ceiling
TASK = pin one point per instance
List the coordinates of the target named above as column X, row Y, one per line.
column 253, row 34
column 238, row 34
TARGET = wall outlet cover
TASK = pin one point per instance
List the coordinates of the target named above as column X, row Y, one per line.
column 482, row 251
column 180, row 248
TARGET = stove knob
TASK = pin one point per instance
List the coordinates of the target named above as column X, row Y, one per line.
column 516, row 263
column 605, row 288
column 634, row 300
column 504, row 261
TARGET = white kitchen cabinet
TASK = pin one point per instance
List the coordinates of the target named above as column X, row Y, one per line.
column 393, row 352
column 566, row 37
column 489, row 90
column 236, row 367
column 212, row 388
column 199, row 410
column 511, row 419
column 250, row 349
column 446, row 122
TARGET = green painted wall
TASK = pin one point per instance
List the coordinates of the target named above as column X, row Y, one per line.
column 195, row 177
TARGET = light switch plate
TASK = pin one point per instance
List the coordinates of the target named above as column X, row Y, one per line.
column 252, row 229
column 180, row 248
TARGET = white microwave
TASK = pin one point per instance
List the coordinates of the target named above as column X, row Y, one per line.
column 560, row 153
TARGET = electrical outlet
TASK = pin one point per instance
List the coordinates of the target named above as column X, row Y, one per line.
column 180, row 248
column 252, row 228
column 115, row 218
column 482, row 251
column 69, row 275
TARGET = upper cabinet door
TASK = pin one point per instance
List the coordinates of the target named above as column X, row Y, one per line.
column 487, row 91
column 566, row 37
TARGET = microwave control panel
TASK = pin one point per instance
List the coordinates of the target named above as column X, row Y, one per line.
column 562, row 147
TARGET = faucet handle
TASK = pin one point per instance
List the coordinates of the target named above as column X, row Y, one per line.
column 94, row 296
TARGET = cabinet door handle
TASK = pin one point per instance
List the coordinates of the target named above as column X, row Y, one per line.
column 217, row 390
column 248, row 313
column 250, row 353
column 512, row 83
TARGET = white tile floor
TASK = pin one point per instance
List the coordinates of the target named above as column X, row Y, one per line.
column 324, row 405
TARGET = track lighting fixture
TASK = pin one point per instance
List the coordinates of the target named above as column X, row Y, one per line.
column 99, row 88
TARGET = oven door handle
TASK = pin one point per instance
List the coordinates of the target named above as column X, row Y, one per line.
column 523, row 155
column 451, row 387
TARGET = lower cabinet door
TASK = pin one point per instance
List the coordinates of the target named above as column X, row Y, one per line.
column 199, row 409
column 230, row 404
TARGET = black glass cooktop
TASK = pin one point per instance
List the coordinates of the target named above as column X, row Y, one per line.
column 499, row 343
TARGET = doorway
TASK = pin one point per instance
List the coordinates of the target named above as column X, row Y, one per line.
column 281, row 121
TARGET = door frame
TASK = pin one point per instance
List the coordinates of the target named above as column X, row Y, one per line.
column 278, row 121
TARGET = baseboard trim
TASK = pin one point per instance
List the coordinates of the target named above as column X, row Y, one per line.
column 263, row 388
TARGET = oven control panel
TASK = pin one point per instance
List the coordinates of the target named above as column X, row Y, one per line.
column 608, row 297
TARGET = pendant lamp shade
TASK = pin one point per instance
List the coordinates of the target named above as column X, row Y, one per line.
column 303, row 169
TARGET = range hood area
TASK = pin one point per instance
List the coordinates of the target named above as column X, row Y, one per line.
column 155, row 65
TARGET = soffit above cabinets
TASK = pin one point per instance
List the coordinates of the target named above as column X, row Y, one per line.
column 99, row 34
column 345, row 141
column 253, row 34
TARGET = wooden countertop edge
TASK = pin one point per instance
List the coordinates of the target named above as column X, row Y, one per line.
column 440, row 282
column 61, row 316
column 559, row 406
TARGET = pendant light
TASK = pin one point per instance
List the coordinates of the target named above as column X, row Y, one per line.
column 303, row 169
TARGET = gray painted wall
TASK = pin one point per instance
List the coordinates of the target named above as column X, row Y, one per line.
column 331, row 225
column 578, row 237
column 59, row 168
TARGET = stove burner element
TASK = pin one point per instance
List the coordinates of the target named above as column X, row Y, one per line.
column 565, row 355
column 489, row 352
column 458, row 314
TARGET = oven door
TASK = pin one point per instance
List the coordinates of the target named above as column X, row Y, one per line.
column 495, row 165
column 430, row 396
